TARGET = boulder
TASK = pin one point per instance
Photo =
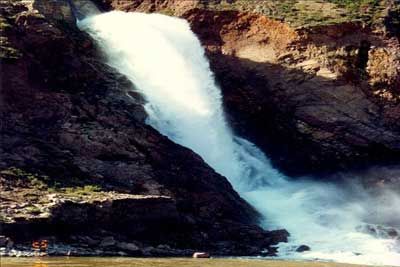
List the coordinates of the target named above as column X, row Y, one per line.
column 277, row 236
column 201, row 255
column 129, row 247
column 108, row 242
column 303, row 248
column 3, row 241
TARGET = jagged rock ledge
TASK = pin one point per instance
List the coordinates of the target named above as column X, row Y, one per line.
column 86, row 223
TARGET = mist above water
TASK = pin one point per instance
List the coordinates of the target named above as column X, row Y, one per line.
column 166, row 62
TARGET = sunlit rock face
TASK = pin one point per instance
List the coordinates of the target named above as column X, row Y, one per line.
column 57, row 10
column 65, row 11
column 310, row 101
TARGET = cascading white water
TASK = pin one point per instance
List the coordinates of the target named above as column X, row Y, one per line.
column 166, row 62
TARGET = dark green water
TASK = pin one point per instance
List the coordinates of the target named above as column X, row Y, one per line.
column 159, row 262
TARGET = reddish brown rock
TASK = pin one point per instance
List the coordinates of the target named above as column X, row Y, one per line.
column 302, row 94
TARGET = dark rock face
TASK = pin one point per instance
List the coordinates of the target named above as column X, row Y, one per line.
column 68, row 120
column 392, row 19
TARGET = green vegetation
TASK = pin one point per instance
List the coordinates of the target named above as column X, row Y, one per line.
column 44, row 183
column 31, row 195
column 33, row 210
column 308, row 12
column 81, row 190
column 33, row 179
column 365, row 10
column 8, row 52
column 355, row 5
column 167, row 11
column 6, row 49
column 4, row 25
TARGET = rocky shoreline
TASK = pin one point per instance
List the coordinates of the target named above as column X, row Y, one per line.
column 106, row 247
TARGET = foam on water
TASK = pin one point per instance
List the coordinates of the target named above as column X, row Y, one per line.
column 166, row 62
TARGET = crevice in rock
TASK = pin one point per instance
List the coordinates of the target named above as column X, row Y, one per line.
column 363, row 55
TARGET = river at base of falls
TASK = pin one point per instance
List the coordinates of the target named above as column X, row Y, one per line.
column 165, row 61
column 159, row 262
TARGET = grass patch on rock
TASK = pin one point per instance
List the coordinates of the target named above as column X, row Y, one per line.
column 300, row 13
column 17, row 177
column 79, row 190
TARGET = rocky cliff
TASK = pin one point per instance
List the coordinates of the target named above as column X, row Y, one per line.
column 318, row 91
column 80, row 168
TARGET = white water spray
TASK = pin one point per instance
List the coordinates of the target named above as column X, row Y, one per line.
column 166, row 62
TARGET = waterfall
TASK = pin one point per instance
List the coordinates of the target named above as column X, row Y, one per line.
column 166, row 62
